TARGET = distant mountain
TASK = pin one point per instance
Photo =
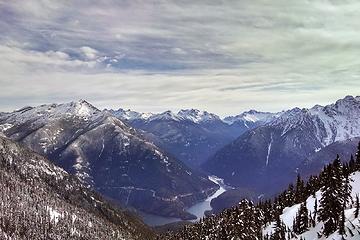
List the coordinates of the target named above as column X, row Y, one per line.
column 109, row 156
column 251, row 119
column 266, row 158
column 191, row 135
column 42, row 201
column 198, row 116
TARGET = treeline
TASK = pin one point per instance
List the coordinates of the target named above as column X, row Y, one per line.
column 31, row 212
column 246, row 220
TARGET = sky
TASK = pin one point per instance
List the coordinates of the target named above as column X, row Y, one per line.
column 150, row 56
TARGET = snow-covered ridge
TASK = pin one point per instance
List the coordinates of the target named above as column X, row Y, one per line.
column 335, row 122
column 252, row 116
column 81, row 109
column 129, row 115
column 167, row 115
column 340, row 120
column 192, row 115
column 198, row 116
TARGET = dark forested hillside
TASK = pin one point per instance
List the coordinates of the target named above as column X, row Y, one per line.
column 42, row 201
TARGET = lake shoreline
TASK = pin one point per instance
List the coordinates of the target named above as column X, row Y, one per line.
column 199, row 209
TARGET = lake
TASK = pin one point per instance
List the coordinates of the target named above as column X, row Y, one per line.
column 198, row 209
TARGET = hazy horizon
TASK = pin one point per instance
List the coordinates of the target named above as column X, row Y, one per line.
column 176, row 110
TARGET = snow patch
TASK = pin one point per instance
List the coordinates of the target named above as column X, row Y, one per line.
column 269, row 150
column 54, row 214
column 6, row 126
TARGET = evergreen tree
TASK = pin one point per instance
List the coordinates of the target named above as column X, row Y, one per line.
column 331, row 203
column 357, row 161
column 342, row 222
column 356, row 213
column 352, row 161
column 289, row 198
column 280, row 230
column 300, row 192
column 315, row 212
column 346, row 188
column 312, row 185
column 301, row 220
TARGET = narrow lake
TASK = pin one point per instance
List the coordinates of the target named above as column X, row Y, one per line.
column 198, row 209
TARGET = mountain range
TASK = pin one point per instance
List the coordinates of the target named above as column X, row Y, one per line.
column 191, row 135
column 109, row 156
column 159, row 162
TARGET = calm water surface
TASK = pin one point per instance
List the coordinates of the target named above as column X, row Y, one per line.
column 198, row 209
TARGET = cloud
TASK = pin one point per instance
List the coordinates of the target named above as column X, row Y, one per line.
column 16, row 60
column 224, row 56
column 89, row 52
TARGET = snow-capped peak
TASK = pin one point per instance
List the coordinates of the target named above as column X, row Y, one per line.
column 167, row 115
column 197, row 116
column 84, row 108
column 80, row 108
column 338, row 121
column 334, row 122
column 127, row 115
column 192, row 115
column 252, row 116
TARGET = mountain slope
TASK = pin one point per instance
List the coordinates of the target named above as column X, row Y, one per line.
column 40, row 200
column 269, row 155
column 316, row 161
column 109, row 156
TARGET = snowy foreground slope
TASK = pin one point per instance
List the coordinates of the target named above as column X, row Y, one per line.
column 352, row 224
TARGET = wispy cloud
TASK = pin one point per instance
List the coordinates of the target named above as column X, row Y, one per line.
column 223, row 56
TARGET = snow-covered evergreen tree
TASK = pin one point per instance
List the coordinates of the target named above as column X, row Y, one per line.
column 301, row 223
column 335, row 194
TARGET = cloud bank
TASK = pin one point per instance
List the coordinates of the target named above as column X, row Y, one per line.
column 223, row 56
